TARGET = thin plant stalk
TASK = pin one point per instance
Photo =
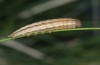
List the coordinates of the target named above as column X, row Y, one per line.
column 76, row 29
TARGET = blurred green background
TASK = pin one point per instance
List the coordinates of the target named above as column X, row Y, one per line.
column 59, row 48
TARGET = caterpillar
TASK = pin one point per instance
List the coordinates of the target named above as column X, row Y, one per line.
column 46, row 26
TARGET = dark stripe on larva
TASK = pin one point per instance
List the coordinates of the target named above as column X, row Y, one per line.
column 46, row 26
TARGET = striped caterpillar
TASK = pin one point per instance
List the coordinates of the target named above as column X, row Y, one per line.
column 46, row 26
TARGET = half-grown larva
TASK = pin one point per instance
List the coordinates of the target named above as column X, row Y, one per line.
column 46, row 26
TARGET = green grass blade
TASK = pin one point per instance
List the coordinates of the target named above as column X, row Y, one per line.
column 5, row 39
column 76, row 29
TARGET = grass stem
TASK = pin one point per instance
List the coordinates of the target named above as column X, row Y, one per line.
column 6, row 39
